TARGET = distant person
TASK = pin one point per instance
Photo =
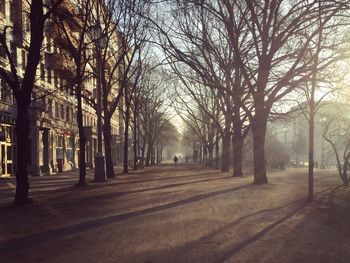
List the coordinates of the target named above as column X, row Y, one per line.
column 186, row 159
column 282, row 165
column 175, row 160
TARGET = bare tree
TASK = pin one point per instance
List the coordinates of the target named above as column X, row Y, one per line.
column 123, row 31
column 22, row 85
column 79, row 48
column 153, row 112
column 199, row 49
column 275, row 65
column 336, row 134
column 322, row 55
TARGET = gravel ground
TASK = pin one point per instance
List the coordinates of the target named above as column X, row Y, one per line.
column 183, row 214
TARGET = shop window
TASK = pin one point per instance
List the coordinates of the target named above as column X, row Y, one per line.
column 8, row 133
column 60, row 141
column 9, row 152
column 69, row 150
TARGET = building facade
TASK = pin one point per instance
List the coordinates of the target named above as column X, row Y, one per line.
column 54, row 139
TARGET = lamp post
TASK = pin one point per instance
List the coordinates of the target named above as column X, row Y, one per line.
column 100, row 171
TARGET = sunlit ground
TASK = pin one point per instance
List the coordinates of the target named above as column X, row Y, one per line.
column 183, row 214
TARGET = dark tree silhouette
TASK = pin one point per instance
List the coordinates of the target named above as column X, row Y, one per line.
column 22, row 87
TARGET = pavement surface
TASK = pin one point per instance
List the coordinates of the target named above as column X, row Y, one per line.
column 178, row 214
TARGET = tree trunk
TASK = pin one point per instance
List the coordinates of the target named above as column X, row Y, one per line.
column 107, row 146
column 153, row 161
column 217, row 152
column 136, row 157
column 194, row 153
column 82, row 142
column 148, row 155
column 237, row 145
column 311, row 153
column 22, row 133
column 225, row 156
column 126, row 140
column 210, row 155
column 259, row 124
column 205, row 153
column 143, row 157
column 23, row 97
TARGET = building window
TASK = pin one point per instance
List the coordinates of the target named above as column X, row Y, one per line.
column 49, row 45
column 62, row 111
column 5, row 92
column 60, row 141
column 14, row 53
column 55, row 80
column 67, row 113
column 49, row 76
column 2, row 7
column 13, row 12
column 23, row 59
column 49, row 106
column 42, row 71
column 56, row 110
column 69, row 150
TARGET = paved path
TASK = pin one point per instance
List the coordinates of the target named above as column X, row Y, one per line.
column 182, row 214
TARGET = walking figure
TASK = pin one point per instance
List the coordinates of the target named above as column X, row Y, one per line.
column 175, row 160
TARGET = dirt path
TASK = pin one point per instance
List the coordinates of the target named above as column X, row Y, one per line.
column 183, row 214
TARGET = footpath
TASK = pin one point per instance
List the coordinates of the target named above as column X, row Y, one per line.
column 182, row 214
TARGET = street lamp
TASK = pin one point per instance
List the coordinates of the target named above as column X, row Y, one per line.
column 100, row 171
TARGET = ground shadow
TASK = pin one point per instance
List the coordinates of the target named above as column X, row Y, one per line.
column 32, row 240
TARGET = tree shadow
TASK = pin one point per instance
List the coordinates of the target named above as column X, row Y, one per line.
column 34, row 239
column 118, row 194
column 162, row 178
column 258, row 235
column 205, row 254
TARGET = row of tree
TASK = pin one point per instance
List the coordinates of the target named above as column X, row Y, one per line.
column 237, row 60
column 103, row 42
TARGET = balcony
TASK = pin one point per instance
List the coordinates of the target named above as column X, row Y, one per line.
column 59, row 62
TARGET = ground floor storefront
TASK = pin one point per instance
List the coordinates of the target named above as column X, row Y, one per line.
column 7, row 146
column 52, row 149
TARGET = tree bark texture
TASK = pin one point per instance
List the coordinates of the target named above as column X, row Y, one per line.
column 22, row 133
column 225, row 156
column 107, row 146
column 126, row 140
column 82, row 141
column 311, row 155
column 259, row 124
column 237, row 145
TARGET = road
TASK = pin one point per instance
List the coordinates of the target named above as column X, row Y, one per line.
column 182, row 214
